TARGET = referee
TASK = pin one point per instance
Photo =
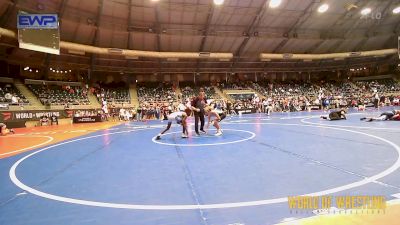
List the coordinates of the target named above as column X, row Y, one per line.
column 198, row 103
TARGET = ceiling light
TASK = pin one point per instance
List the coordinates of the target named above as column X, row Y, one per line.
column 396, row 10
column 26, row 68
column 274, row 3
column 323, row 8
column 218, row 2
column 366, row 11
column 30, row 70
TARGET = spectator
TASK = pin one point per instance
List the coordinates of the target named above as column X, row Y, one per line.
column 14, row 100
column 4, row 130
column 8, row 96
column 44, row 121
column 54, row 119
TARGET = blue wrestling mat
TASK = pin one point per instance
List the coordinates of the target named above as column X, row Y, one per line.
column 124, row 176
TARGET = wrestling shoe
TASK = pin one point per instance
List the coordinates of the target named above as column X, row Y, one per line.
column 184, row 136
column 158, row 137
column 219, row 133
column 203, row 132
column 197, row 134
column 363, row 118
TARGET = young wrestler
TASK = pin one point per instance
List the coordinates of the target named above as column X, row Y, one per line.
column 4, row 130
column 215, row 116
column 180, row 118
column 336, row 115
column 389, row 115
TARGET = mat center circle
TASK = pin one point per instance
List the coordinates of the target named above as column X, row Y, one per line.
column 230, row 136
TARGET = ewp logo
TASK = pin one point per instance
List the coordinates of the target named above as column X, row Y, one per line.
column 37, row 21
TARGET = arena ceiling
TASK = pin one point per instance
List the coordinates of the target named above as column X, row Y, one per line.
column 245, row 28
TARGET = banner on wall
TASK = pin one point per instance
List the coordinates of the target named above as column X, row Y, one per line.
column 34, row 115
column 245, row 111
column 87, row 119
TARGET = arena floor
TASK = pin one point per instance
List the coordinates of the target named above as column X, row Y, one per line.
column 116, row 173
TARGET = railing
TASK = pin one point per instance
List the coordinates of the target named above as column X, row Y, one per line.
column 6, row 80
column 59, row 83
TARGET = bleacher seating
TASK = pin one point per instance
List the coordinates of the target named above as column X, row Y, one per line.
column 60, row 95
column 190, row 90
column 234, row 85
column 283, row 96
column 156, row 93
column 338, row 93
column 7, row 91
column 113, row 93
column 242, row 97
column 381, row 86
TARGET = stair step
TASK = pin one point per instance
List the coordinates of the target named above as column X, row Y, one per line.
column 222, row 95
column 94, row 102
column 134, row 96
column 33, row 100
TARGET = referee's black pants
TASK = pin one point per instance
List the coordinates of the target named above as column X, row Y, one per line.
column 197, row 116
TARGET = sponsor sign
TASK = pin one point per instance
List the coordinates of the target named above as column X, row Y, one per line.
column 37, row 21
column 34, row 115
column 87, row 119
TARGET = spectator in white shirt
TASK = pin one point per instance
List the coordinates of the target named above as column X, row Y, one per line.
column 121, row 113
column 14, row 100
column 8, row 96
